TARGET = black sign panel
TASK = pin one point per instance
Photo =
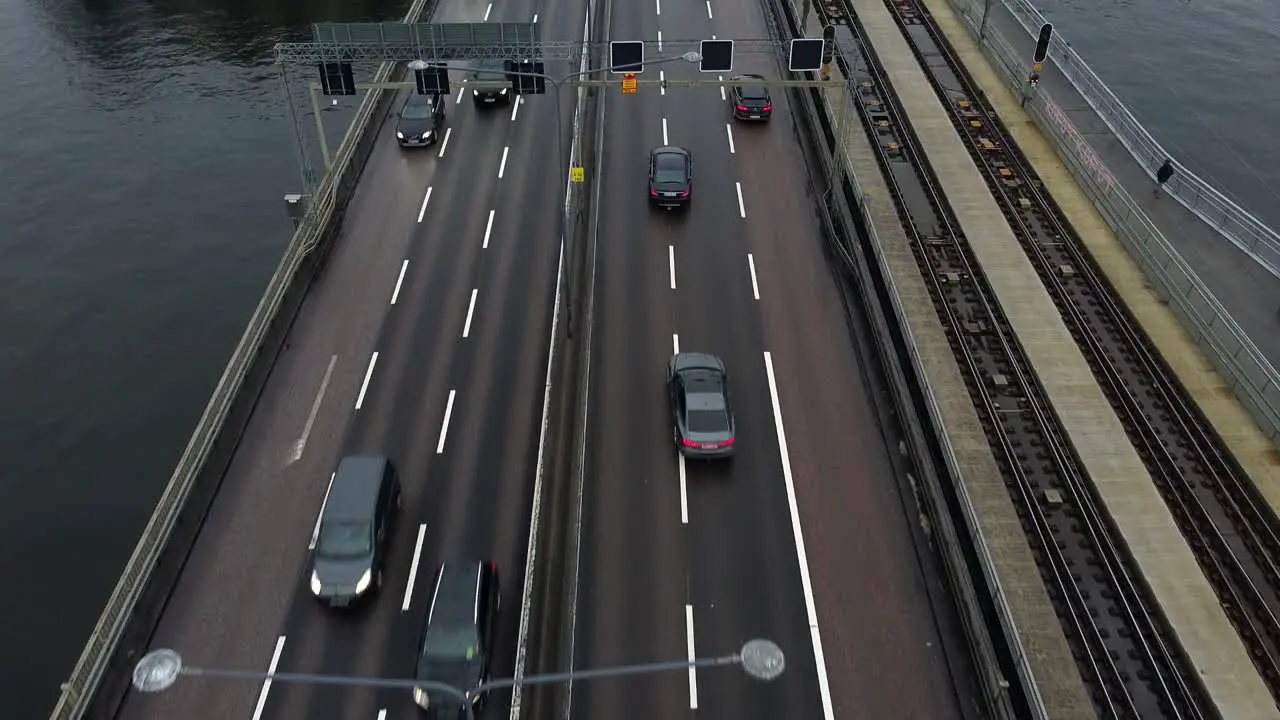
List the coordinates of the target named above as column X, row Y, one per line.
column 806, row 55
column 717, row 56
column 432, row 81
column 337, row 79
column 626, row 56
column 527, row 77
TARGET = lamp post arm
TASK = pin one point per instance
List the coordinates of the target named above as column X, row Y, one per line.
column 610, row 672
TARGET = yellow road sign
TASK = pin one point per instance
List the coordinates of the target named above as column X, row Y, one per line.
column 577, row 174
column 629, row 84
column 1037, row 68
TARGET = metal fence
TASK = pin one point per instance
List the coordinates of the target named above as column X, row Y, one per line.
column 1234, row 222
column 1252, row 377
column 317, row 226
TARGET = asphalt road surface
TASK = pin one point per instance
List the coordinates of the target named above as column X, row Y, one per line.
column 807, row 536
column 425, row 340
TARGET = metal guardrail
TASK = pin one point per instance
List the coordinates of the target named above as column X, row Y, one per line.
column 1253, row 379
column 315, row 227
column 1235, row 223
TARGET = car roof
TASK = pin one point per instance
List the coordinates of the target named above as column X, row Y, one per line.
column 697, row 361
column 457, row 588
column 354, row 494
column 669, row 150
column 417, row 98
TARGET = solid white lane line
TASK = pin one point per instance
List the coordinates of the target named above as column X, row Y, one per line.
column 458, row 100
column 515, row 107
column 810, row 607
column 502, row 168
column 722, row 95
column 445, row 143
column 659, row 41
column 395, row 294
column 709, row 15
column 662, row 78
column 471, row 308
column 693, row 674
column 364, row 386
column 266, row 684
column 742, row 209
column 659, row 4
column 671, row 261
column 664, row 131
column 486, row 12
column 413, row 568
column 488, row 228
column 382, row 714
column 315, row 410
column 755, row 287
column 444, row 428
column 684, row 493
column 423, row 210
column 728, row 129
column 315, row 532
column 675, row 343
column 535, row 18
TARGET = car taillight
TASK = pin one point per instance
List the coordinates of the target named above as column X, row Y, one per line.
column 726, row 443
column 684, row 193
column 767, row 108
column 688, row 443
column 742, row 108
column 653, row 193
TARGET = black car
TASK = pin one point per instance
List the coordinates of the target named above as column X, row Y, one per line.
column 750, row 98
column 487, row 74
column 420, row 120
column 670, row 177
column 355, row 529
column 457, row 638
column 702, row 418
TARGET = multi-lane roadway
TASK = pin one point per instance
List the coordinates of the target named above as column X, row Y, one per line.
column 805, row 537
column 426, row 340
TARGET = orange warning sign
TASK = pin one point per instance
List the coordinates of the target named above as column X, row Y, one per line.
column 629, row 84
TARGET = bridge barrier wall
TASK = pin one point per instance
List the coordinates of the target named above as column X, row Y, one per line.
column 1234, row 222
column 170, row 533
column 1252, row 377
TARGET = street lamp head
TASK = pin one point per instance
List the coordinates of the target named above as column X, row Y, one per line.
column 762, row 659
column 157, row 671
column 418, row 65
column 692, row 56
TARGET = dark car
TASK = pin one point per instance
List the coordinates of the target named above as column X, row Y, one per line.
column 750, row 98
column 355, row 529
column 420, row 120
column 486, row 75
column 702, row 417
column 457, row 639
column 670, row 177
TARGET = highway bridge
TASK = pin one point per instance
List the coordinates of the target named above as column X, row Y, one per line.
column 996, row 456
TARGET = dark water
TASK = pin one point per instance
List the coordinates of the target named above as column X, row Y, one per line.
column 146, row 150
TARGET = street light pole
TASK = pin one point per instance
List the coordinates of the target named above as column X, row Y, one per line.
column 158, row 670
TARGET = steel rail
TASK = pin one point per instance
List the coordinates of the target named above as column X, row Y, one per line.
column 1229, row 527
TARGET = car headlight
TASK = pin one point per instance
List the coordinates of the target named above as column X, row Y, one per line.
column 363, row 583
column 427, row 135
column 504, row 90
column 315, row 583
column 420, row 697
column 399, row 135
column 473, row 697
column 475, row 92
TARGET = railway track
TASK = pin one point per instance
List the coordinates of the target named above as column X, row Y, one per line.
column 1125, row 652
column 1230, row 529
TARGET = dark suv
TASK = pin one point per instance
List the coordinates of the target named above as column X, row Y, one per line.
column 487, row 74
column 356, row 523
column 750, row 98
column 457, row 639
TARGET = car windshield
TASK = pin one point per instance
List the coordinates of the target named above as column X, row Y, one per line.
column 454, row 643
column 417, row 111
column 754, row 92
column 707, row 413
column 343, row 539
column 668, row 168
